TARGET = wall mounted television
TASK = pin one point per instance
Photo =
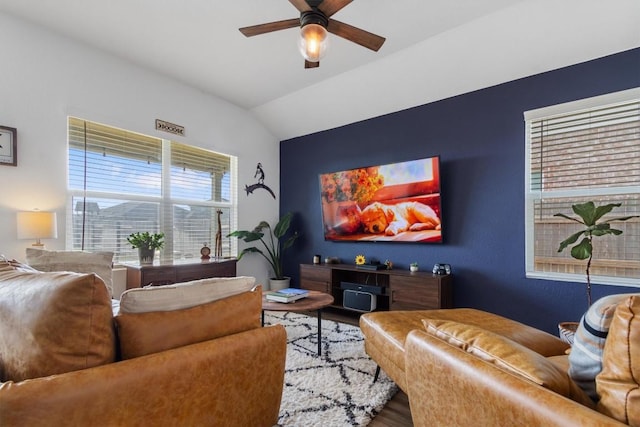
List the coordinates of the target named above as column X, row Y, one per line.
column 396, row 202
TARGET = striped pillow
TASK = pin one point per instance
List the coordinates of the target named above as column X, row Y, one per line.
column 585, row 359
column 12, row 264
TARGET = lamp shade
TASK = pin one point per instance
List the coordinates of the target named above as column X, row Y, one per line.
column 313, row 42
column 37, row 225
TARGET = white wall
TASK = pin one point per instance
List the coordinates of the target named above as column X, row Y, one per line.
column 45, row 77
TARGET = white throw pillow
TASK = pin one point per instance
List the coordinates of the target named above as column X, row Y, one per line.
column 100, row 263
column 183, row 295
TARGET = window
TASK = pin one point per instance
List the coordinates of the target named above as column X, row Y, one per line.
column 121, row 182
column 576, row 152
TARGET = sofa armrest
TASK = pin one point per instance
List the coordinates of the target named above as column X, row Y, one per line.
column 233, row 380
column 449, row 387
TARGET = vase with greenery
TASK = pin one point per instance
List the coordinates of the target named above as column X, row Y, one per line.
column 146, row 243
column 590, row 217
column 274, row 242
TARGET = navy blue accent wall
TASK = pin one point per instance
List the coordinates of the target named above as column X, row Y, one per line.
column 480, row 138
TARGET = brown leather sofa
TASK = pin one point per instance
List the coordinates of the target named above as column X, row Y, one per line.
column 469, row 367
column 182, row 377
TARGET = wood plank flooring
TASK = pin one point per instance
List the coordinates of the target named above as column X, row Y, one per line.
column 396, row 412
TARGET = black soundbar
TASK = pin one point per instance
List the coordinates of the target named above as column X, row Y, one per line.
column 372, row 289
column 371, row 267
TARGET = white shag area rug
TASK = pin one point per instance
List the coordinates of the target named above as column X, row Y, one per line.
column 334, row 389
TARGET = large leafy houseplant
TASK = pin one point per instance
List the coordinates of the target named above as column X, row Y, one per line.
column 589, row 216
column 273, row 240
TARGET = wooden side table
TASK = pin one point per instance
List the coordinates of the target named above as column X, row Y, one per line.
column 315, row 301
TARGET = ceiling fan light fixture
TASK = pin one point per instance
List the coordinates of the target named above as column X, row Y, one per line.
column 313, row 42
column 314, row 38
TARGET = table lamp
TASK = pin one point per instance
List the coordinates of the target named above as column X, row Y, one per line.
column 37, row 225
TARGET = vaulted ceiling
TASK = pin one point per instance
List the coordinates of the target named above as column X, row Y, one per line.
column 434, row 49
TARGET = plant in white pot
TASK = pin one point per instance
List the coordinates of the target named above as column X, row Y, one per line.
column 274, row 242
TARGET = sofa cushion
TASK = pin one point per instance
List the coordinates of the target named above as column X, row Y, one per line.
column 585, row 359
column 151, row 332
column 183, row 295
column 100, row 263
column 53, row 323
column 618, row 384
column 508, row 355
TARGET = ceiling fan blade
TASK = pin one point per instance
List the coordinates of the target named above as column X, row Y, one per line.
column 329, row 7
column 301, row 5
column 255, row 30
column 308, row 64
column 356, row 35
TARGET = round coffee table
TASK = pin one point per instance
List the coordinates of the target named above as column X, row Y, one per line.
column 314, row 301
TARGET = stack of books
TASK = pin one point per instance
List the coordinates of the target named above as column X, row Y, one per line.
column 287, row 295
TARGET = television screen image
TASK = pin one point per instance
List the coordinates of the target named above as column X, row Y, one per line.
column 396, row 202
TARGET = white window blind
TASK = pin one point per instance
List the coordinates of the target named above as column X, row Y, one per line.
column 122, row 182
column 578, row 152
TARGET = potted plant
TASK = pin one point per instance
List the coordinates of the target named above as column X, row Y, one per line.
column 146, row 243
column 413, row 266
column 274, row 245
column 589, row 215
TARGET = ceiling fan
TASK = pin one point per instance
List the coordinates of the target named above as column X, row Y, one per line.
column 314, row 22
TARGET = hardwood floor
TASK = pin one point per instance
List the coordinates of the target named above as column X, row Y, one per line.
column 396, row 412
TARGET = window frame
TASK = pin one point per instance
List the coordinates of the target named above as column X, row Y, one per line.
column 531, row 195
column 165, row 200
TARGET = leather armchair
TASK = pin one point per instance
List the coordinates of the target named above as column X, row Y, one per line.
column 449, row 387
column 235, row 380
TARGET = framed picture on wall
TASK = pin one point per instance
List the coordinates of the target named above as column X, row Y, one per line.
column 8, row 146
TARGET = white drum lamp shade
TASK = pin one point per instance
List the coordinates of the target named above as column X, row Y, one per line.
column 37, row 225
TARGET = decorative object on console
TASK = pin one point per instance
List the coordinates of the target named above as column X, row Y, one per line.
column 205, row 252
column 8, row 146
column 37, row 225
column 413, row 267
column 589, row 215
column 275, row 246
column 218, row 234
column 360, row 260
column 146, row 243
column 396, row 202
column 441, row 269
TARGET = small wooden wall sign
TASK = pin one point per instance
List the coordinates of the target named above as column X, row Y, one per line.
column 169, row 127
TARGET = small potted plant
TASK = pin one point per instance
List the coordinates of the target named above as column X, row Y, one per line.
column 413, row 267
column 274, row 245
column 146, row 243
